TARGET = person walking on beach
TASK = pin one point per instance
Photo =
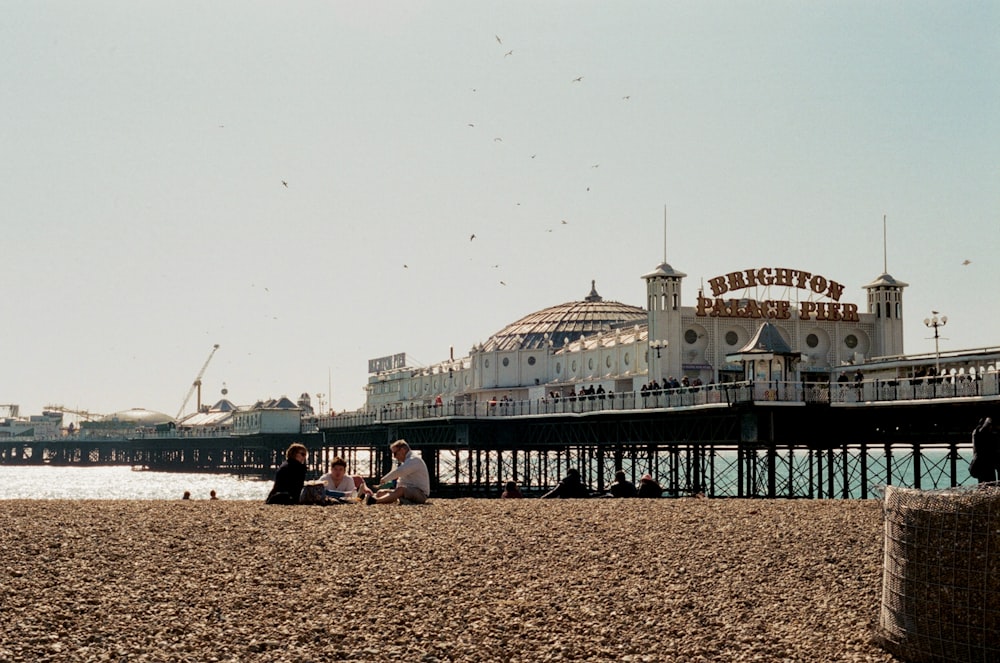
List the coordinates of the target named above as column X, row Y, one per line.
column 413, row 483
column 985, row 465
column 290, row 477
column 571, row 486
column 622, row 487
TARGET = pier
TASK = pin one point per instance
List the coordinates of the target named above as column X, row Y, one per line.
column 778, row 440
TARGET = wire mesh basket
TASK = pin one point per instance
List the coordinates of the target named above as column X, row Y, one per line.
column 941, row 574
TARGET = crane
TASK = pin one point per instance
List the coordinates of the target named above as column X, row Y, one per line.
column 197, row 383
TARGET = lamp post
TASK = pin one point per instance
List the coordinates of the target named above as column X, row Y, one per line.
column 935, row 323
column 657, row 345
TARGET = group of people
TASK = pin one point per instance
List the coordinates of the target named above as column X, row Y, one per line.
column 409, row 481
column 572, row 486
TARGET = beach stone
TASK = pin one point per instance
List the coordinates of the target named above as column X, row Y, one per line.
column 486, row 580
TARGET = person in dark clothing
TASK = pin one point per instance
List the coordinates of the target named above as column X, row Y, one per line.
column 985, row 464
column 290, row 477
column 648, row 487
column 571, row 486
column 622, row 487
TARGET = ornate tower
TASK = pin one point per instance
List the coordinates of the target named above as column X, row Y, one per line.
column 663, row 304
column 885, row 302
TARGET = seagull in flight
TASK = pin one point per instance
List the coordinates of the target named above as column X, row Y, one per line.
column 626, row 97
column 284, row 183
column 472, row 236
column 502, row 283
column 578, row 79
column 966, row 262
column 499, row 41
column 510, row 52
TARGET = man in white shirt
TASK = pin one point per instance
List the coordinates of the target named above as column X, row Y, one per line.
column 413, row 483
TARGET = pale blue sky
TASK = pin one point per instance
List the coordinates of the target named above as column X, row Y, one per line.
column 145, row 143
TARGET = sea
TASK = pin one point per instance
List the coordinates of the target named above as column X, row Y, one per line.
column 47, row 482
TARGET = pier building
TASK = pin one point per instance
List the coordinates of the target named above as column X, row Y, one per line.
column 612, row 347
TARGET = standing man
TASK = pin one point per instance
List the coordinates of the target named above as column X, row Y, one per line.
column 413, row 483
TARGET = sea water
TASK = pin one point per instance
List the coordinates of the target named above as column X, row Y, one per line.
column 46, row 482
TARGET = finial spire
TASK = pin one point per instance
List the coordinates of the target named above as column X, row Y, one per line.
column 664, row 232
column 885, row 254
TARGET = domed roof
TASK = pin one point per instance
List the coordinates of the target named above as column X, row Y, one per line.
column 138, row 415
column 565, row 323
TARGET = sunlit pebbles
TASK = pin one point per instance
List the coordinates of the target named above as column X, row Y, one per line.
column 522, row 580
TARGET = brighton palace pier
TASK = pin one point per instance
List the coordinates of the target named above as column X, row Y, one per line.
column 771, row 385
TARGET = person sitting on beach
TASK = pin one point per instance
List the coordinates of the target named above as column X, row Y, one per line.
column 413, row 483
column 622, row 487
column 511, row 491
column 571, row 486
column 648, row 487
column 290, row 477
column 187, row 495
column 985, row 452
column 339, row 483
column 212, row 495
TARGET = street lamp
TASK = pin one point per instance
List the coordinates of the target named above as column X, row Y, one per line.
column 935, row 323
column 658, row 345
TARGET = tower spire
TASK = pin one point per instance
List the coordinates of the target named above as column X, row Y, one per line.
column 885, row 254
column 664, row 232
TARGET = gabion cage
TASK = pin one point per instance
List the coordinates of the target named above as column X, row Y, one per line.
column 941, row 575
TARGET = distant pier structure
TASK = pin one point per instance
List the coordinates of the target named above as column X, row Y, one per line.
column 771, row 385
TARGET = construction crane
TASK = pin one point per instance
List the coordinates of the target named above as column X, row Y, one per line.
column 197, row 384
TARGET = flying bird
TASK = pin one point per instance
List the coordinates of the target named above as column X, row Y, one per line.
column 499, row 41
column 510, row 52
column 471, row 124
column 596, row 165
column 284, row 183
column 578, row 79
column 472, row 236
column 405, row 266
column 498, row 140
column 502, row 283
column 564, row 222
column 626, row 97
column 966, row 262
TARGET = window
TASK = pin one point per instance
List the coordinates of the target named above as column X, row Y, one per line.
column 506, row 361
column 690, row 337
column 590, row 364
column 851, row 341
column 732, row 338
column 531, row 361
column 812, row 340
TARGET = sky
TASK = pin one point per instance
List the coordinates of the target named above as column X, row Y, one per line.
column 300, row 182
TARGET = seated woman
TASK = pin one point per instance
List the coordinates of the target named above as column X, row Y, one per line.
column 511, row 491
column 339, row 483
column 290, row 477
column 649, row 487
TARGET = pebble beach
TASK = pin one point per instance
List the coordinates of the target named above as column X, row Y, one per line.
column 452, row 580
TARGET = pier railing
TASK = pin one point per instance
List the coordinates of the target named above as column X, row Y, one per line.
column 709, row 396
